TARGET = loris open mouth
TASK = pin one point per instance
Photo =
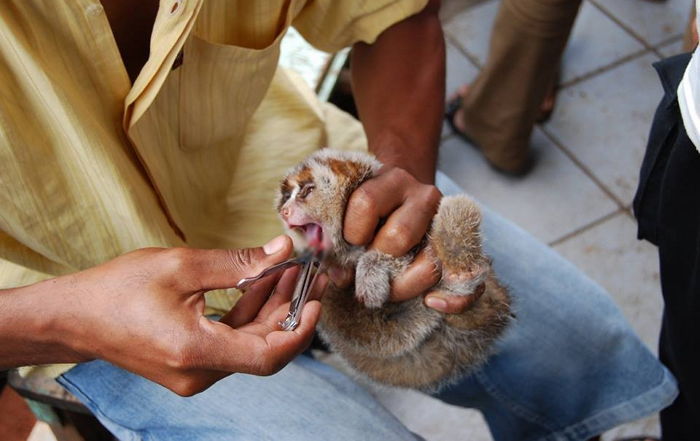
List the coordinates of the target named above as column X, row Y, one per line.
column 313, row 233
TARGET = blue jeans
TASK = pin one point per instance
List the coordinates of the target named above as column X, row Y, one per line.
column 568, row 369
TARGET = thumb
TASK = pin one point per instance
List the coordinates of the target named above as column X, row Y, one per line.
column 224, row 268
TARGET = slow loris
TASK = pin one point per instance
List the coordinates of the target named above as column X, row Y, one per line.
column 402, row 344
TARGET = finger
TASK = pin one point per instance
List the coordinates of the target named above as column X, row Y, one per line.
column 249, row 304
column 421, row 275
column 448, row 303
column 215, row 269
column 230, row 350
column 283, row 292
column 285, row 345
column 283, row 295
column 403, row 230
column 367, row 206
column 223, row 348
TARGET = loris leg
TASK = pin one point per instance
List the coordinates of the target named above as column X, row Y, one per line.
column 373, row 277
column 456, row 241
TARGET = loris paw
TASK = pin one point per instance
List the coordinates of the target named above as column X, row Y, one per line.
column 465, row 283
column 373, row 278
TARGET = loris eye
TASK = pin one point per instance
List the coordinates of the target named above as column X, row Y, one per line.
column 305, row 191
column 285, row 196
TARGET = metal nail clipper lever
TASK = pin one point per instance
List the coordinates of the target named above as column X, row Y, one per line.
column 305, row 283
column 311, row 267
column 300, row 260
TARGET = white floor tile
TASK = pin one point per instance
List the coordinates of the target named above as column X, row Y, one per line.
column 431, row 418
column 450, row 8
column 654, row 21
column 459, row 71
column 471, row 29
column 555, row 199
column 596, row 41
column 648, row 426
column 628, row 268
column 671, row 49
column 604, row 122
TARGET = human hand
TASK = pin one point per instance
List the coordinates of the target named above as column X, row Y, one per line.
column 143, row 311
column 406, row 207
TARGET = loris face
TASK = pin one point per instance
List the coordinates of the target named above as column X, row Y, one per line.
column 313, row 196
column 301, row 210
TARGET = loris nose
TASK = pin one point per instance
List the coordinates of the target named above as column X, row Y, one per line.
column 285, row 212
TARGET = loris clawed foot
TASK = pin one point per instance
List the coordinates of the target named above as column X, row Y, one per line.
column 402, row 344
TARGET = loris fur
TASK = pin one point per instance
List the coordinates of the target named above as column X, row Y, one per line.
column 402, row 344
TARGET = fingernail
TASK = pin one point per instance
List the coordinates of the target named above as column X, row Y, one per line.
column 436, row 303
column 275, row 245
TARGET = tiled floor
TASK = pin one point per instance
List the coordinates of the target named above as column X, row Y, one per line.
column 578, row 198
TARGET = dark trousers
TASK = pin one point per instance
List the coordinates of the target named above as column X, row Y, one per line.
column 667, row 207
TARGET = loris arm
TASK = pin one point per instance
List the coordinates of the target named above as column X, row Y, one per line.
column 399, row 88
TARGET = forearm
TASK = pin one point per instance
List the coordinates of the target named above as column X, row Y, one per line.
column 28, row 327
column 399, row 88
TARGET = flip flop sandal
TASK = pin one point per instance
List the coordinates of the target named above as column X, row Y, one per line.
column 451, row 110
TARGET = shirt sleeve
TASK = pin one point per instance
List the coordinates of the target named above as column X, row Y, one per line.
column 330, row 25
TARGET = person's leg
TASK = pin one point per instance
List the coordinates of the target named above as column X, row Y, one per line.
column 570, row 367
column 667, row 207
column 679, row 257
column 307, row 400
column 527, row 41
